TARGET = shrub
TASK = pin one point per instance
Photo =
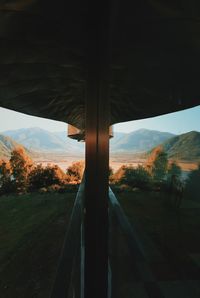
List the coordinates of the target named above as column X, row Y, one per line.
column 137, row 177
column 75, row 171
column 43, row 177
column 6, row 185
column 157, row 164
column 173, row 170
column 192, row 188
column 117, row 176
column 133, row 177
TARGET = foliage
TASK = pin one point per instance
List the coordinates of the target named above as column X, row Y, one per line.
column 75, row 171
column 157, row 164
column 132, row 177
column 5, row 177
column 21, row 166
column 193, row 184
column 14, row 174
column 173, row 170
column 20, row 175
column 151, row 175
column 42, row 177
column 111, row 173
column 117, row 176
column 136, row 177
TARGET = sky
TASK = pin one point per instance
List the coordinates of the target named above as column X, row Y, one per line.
column 177, row 123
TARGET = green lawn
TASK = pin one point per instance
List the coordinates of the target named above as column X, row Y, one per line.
column 175, row 234
column 170, row 242
column 32, row 228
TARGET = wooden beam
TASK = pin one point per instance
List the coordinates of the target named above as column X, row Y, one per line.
column 97, row 154
column 96, row 194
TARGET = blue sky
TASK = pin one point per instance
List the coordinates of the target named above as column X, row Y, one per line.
column 177, row 123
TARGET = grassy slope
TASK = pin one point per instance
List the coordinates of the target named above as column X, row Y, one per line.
column 184, row 147
column 32, row 228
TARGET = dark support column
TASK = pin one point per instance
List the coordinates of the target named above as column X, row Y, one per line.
column 97, row 155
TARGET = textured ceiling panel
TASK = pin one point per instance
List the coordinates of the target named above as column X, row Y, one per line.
column 154, row 65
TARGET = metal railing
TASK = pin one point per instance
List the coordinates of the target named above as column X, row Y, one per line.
column 70, row 251
column 137, row 254
column 69, row 281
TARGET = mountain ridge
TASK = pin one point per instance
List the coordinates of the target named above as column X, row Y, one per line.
column 38, row 139
column 184, row 146
column 7, row 144
column 140, row 140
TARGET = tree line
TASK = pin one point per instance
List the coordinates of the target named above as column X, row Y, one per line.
column 20, row 174
column 158, row 174
column 155, row 172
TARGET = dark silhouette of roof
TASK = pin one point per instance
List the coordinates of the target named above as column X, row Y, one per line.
column 154, row 57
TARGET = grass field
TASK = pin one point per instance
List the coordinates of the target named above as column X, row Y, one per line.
column 32, row 229
column 171, row 243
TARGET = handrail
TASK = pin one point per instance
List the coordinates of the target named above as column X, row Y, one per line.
column 135, row 246
column 72, row 240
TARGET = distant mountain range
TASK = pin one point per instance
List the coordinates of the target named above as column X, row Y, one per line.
column 38, row 139
column 137, row 141
column 7, row 144
column 185, row 146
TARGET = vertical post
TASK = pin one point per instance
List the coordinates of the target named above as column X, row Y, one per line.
column 97, row 155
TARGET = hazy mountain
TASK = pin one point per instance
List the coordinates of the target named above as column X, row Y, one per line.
column 38, row 139
column 7, row 144
column 74, row 145
column 139, row 141
column 117, row 137
column 182, row 147
column 185, row 146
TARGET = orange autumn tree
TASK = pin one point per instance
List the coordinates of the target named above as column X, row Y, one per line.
column 157, row 164
column 5, row 177
column 75, row 171
column 47, row 176
column 21, row 165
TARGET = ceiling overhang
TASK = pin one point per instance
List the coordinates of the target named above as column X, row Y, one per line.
column 154, row 58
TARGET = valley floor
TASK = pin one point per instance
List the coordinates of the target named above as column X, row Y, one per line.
column 116, row 161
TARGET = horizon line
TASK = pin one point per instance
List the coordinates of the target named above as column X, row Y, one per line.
column 115, row 131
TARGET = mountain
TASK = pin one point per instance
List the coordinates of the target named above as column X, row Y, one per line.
column 184, row 147
column 38, row 139
column 7, row 144
column 74, row 145
column 116, row 138
column 139, row 141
